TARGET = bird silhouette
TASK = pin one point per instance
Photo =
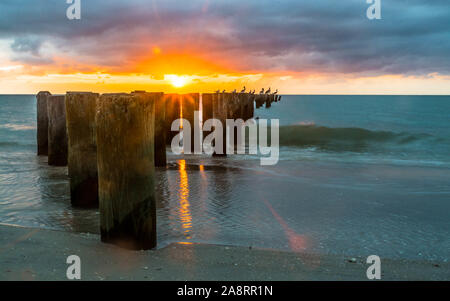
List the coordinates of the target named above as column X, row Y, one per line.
column 268, row 91
column 243, row 90
column 234, row 91
column 262, row 91
column 276, row 92
column 223, row 91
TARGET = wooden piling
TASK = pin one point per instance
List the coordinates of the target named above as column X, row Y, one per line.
column 173, row 111
column 242, row 105
column 160, row 128
column 190, row 104
column 42, row 123
column 260, row 100
column 234, row 106
column 82, row 152
column 250, row 108
column 125, row 153
column 220, row 112
column 268, row 99
column 207, row 109
column 246, row 105
column 57, row 135
column 236, row 111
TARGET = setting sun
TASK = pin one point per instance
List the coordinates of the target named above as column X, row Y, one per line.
column 176, row 80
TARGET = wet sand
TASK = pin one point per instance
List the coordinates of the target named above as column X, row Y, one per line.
column 313, row 207
column 36, row 254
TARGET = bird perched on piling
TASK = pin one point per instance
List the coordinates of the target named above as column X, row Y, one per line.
column 234, row 91
column 223, row 91
column 268, row 91
column 276, row 92
column 243, row 90
column 262, row 91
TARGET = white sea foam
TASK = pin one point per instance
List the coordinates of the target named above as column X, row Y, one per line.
column 18, row 127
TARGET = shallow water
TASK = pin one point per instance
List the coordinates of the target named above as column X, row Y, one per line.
column 314, row 200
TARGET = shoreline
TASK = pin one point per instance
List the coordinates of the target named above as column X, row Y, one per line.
column 37, row 254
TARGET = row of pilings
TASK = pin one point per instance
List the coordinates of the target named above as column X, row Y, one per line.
column 112, row 143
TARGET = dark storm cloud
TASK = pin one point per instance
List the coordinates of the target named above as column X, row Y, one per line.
column 27, row 50
column 26, row 45
column 311, row 35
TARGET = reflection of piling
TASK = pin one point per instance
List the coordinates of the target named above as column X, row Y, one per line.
column 57, row 136
column 82, row 152
column 190, row 104
column 42, row 123
column 160, row 128
column 125, row 152
column 173, row 106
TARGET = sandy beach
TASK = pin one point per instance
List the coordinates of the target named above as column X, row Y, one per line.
column 35, row 254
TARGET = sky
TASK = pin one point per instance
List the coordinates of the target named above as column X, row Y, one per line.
column 295, row 46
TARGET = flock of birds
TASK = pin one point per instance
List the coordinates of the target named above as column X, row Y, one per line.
column 268, row 91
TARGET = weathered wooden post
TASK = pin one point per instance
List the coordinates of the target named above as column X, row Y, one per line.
column 207, row 106
column 160, row 128
column 190, row 104
column 268, row 98
column 173, row 111
column 82, row 152
column 57, row 135
column 242, row 106
column 250, row 107
column 42, row 123
column 260, row 100
column 220, row 112
column 245, row 110
column 234, row 106
column 125, row 154
column 207, row 109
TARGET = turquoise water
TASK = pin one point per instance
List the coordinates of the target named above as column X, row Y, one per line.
column 412, row 130
column 358, row 175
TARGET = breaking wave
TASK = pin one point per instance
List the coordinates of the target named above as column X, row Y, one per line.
column 345, row 138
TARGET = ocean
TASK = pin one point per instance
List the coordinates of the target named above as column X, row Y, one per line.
column 358, row 175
